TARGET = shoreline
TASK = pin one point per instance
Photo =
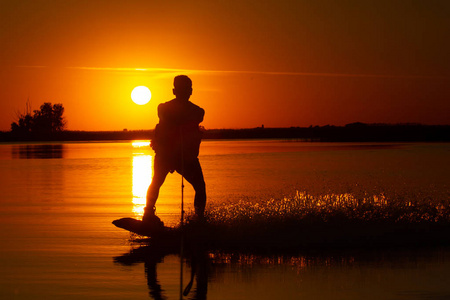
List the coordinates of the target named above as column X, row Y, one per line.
column 355, row 132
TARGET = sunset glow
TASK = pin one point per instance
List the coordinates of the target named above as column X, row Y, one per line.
column 249, row 150
column 282, row 64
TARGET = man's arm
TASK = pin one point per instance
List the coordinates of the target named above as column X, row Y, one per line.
column 201, row 115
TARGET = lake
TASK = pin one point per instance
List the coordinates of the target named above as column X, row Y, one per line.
column 58, row 202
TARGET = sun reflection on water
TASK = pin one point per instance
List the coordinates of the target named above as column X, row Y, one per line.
column 142, row 175
column 140, row 144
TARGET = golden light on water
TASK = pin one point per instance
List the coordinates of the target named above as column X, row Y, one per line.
column 142, row 176
column 139, row 144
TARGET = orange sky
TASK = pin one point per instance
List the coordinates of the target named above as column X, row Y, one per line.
column 277, row 63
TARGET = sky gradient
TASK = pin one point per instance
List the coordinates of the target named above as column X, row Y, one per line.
column 281, row 64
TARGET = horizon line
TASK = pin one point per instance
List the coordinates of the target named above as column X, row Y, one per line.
column 282, row 127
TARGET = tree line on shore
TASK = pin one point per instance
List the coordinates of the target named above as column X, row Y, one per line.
column 356, row 132
column 44, row 122
column 48, row 124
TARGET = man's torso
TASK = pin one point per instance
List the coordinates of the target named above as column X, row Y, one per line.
column 177, row 136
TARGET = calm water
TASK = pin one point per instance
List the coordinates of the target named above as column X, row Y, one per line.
column 58, row 201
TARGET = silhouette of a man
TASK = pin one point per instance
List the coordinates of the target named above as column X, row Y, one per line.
column 176, row 144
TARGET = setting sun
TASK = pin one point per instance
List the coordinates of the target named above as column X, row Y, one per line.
column 141, row 95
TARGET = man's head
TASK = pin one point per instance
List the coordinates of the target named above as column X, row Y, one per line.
column 182, row 87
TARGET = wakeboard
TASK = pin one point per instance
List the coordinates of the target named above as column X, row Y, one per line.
column 141, row 228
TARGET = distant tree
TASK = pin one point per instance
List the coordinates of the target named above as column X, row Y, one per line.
column 48, row 119
column 59, row 122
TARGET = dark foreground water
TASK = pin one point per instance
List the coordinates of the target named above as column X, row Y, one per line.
column 58, row 201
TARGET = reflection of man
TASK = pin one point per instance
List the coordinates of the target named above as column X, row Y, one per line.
column 199, row 272
column 176, row 143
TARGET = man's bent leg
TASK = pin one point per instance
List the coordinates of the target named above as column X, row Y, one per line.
column 194, row 175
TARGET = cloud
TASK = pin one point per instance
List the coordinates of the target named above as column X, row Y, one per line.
column 163, row 72
column 32, row 67
column 169, row 71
